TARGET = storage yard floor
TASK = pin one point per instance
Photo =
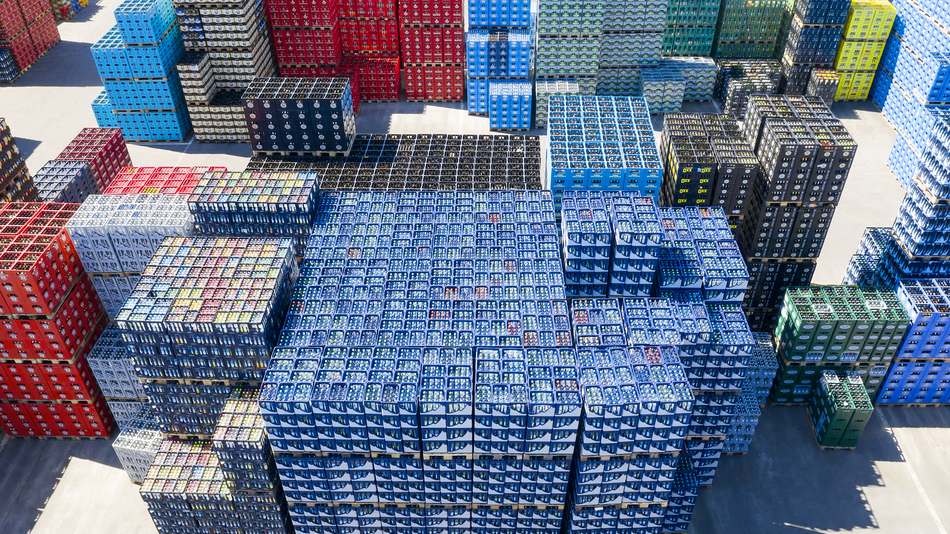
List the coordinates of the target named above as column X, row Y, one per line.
column 896, row 482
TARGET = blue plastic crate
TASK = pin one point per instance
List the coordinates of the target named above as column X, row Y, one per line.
column 104, row 112
column 154, row 126
column 499, row 13
column 144, row 21
column 510, row 105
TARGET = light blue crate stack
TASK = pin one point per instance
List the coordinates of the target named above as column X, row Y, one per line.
column 136, row 62
column 499, row 49
column 920, row 373
column 602, row 143
column 912, row 77
column 509, row 105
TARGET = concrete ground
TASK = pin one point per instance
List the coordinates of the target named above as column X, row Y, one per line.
column 896, row 482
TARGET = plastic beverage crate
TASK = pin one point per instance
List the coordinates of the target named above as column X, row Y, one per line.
column 64, row 181
column 103, row 149
column 137, row 444
column 157, row 180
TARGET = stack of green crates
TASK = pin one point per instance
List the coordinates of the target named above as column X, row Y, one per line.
column 840, row 409
column 690, row 28
column 748, row 29
column 838, row 328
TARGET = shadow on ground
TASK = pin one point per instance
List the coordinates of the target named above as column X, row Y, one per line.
column 28, row 484
column 66, row 57
column 787, row 484
column 26, row 146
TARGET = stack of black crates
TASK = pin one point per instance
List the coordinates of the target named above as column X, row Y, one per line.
column 300, row 116
column 813, row 39
column 708, row 162
column 227, row 45
column 806, row 155
column 737, row 79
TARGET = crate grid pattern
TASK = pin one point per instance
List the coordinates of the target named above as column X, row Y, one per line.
column 137, row 444
column 27, row 31
column 433, row 50
column 748, row 29
column 865, row 34
column 112, row 366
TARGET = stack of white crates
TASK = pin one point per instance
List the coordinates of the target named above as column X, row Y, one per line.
column 138, row 443
column 111, row 364
column 116, row 235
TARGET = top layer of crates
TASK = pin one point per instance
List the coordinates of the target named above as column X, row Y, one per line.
column 499, row 13
column 289, row 89
column 39, row 263
column 157, row 180
column 822, row 11
column 103, row 149
column 425, row 161
column 202, row 286
column 144, row 21
column 869, row 20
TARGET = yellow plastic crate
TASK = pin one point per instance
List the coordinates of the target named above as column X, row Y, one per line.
column 869, row 20
column 859, row 55
column 854, row 85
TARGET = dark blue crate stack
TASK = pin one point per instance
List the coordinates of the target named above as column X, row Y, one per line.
column 495, row 55
column 602, row 143
column 586, row 243
column 637, row 409
column 499, row 48
column 64, row 181
column 202, row 320
column 637, row 234
column 510, row 105
column 9, row 69
column 326, row 126
column 426, row 378
column 920, row 373
column 136, row 61
column 813, row 38
column 255, row 204
column 912, row 79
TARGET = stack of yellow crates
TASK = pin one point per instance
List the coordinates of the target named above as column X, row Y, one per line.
column 862, row 45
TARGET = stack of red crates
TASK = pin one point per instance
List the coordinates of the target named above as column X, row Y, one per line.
column 103, row 149
column 308, row 40
column 158, row 180
column 433, row 49
column 50, row 317
column 27, row 29
column 370, row 31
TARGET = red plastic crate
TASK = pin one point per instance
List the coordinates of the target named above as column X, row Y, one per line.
column 31, row 10
column 302, row 14
column 103, row 149
column 57, row 419
column 413, row 12
column 11, row 22
column 49, row 381
column 43, row 33
column 302, row 47
column 377, row 36
column 38, row 263
column 435, row 83
column 317, row 72
column 443, row 45
column 59, row 337
column 379, row 78
column 375, row 9
column 162, row 180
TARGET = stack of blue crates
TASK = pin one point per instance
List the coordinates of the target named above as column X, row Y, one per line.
column 635, row 221
column 136, row 61
column 499, row 51
column 602, row 143
column 920, row 374
column 509, row 105
column 64, row 181
column 912, row 79
column 203, row 320
column 763, row 364
column 587, row 240
column 426, row 374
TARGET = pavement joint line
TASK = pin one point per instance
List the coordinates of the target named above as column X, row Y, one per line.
column 931, row 509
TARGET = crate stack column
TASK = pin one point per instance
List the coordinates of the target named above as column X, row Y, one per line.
column 369, row 33
column 499, row 47
column 748, row 29
column 920, row 374
column 432, row 44
column 137, row 443
column 15, row 181
column 839, row 410
column 27, row 32
column 631, row 41
column 227, row 45
column 737, row 79
column 136, row 61
column 602, row 142
column 801, row 196
column 691, row 28
column 112, row 366
column 51, row 318
column 862, row 46
column 812, row 41
column 568, row 50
